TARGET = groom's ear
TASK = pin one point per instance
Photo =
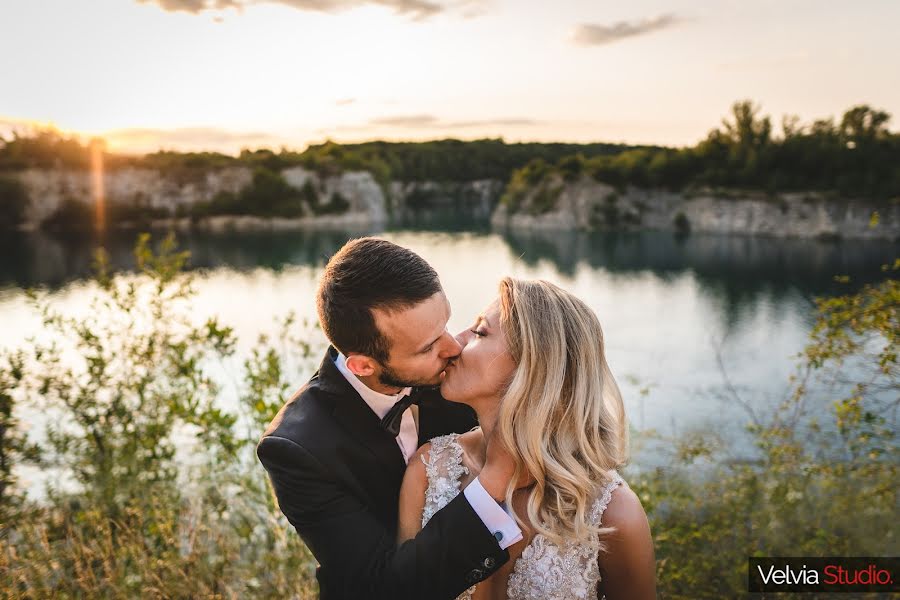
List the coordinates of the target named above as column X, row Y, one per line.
column 361, row 365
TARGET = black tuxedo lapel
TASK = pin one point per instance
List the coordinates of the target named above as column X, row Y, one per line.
column 337, row 475
column 361, row 423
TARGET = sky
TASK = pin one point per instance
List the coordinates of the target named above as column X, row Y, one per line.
column 228, row 74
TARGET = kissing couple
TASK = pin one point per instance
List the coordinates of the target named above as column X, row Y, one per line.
column 420, row 465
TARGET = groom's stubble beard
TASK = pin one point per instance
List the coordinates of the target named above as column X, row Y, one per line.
column 391, row 378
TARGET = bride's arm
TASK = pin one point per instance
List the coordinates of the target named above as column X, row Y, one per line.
column 412, row 496
column 628, row 567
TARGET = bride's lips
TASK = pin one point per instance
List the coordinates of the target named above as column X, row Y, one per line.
column 446, row 370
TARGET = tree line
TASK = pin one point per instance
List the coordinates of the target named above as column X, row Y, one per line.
column 854, row 156
column 857, row 156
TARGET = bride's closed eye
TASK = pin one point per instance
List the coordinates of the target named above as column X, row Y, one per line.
column 479, row 329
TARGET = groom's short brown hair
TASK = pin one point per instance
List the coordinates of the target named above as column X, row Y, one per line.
column 370, row 273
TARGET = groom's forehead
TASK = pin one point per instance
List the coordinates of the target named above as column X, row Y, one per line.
column 411, row 329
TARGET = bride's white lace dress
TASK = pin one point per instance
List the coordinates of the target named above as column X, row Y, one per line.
column 545, row 571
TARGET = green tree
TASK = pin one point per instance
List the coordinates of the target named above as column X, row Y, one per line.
column 43, row 148
column 747, row 129
column 863, row 123
column 125, row 377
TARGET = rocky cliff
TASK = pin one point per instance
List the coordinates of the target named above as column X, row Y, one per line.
column 475, row 200
column 586, row 204
column 555, row 204
column 170, row 196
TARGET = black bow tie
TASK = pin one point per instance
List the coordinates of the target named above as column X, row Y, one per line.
column 394, row 417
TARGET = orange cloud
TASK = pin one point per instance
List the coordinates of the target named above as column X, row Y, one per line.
column 417, row 9
column 141, row 140
column 592, row 34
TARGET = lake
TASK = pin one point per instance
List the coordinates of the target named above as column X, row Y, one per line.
column 691, row 322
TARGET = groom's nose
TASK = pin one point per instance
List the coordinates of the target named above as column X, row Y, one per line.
column 462, row 338
column 452, row 347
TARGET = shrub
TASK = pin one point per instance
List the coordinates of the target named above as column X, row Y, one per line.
column 821, row 482
column 128, row 379
column 268, row 195
column 546, row 197
column 13, row 202
column 70, row 214
column 338, row 205
column 571, row 167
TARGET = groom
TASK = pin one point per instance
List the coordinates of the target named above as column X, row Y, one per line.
column 337, row 451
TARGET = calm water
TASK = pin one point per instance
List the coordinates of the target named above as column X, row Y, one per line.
column 680, row 314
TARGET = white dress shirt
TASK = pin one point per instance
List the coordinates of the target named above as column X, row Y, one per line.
column 493, row 515
column 408, row 439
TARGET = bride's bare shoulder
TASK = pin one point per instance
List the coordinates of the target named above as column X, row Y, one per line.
column 416, row 475
column 474, row 437
column 472, row 443
column 624, row 510
column 628, row 565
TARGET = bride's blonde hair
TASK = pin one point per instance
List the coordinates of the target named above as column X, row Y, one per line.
column 562, row 416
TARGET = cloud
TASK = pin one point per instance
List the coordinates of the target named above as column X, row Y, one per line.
column 592, row 34
column 433, row 122
column 193, row 6
column 139, row 139
column 425, row 122
column 406, row 121
column 492, row 123
column 416, row 9
column 345, row 101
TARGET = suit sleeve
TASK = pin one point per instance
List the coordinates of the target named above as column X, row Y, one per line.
column 358, row 557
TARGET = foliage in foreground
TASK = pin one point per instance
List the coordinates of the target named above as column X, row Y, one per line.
column 823, row 480
column 166, row 499
column 153, row 490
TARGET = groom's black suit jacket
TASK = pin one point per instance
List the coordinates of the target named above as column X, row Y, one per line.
column 337, row 477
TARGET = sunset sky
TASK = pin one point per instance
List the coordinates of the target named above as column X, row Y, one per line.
column 226, row 74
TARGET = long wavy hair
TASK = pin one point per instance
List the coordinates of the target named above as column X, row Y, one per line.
column 561, row 416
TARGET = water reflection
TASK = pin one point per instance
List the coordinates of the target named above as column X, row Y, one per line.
column 736, row 268
column 743, row 261
column 676, row 311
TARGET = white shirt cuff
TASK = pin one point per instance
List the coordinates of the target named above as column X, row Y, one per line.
column 494, row 516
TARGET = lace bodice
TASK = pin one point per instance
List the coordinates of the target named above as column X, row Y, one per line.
column 570, row 572
column 545, row 570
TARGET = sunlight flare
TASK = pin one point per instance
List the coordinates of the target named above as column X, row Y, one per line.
column 97, row 189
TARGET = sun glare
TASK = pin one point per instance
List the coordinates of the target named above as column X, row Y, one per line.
column 97, row 189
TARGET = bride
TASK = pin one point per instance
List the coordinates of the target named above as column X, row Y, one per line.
column 533, row 369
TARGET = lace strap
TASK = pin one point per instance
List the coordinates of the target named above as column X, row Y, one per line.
column 444, row 469
column 605, row 496
column 444, row 454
